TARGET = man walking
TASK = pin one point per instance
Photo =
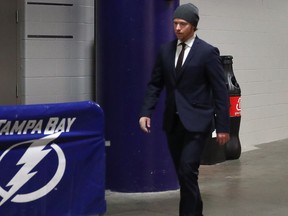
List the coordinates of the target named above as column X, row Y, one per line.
column 190, row 71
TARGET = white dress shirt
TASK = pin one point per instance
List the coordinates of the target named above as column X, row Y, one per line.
column 188, row 46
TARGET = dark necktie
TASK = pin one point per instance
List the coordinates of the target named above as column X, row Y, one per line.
column 180, row 58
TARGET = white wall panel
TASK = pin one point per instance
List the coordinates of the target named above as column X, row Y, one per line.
column 57, row 46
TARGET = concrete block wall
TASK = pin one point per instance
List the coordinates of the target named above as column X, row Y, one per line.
column 56, row 51
column 255, row 33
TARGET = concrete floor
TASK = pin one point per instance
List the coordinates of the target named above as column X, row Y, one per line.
column 254, row 185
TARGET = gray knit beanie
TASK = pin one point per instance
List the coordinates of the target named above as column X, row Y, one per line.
column 188, row 12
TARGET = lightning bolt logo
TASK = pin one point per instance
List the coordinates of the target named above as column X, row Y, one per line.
column 33, row 156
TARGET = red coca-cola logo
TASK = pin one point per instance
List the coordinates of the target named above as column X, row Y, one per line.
column 235, row 106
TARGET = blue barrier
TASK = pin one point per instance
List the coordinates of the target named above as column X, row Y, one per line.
column 52, row 160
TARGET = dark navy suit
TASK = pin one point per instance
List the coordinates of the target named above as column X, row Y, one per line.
column 196, row 102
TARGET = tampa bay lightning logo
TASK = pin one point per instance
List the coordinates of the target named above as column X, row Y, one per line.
column 35, row 153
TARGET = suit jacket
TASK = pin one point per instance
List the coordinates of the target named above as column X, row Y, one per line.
column 198, row 94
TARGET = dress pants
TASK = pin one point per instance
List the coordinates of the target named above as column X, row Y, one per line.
column 186, row 149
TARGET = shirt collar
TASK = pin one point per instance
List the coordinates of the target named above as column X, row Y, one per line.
column 189, row 42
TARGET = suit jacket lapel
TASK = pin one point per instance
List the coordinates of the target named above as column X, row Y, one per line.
column 171, row 60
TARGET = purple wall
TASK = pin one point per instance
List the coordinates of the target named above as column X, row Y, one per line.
column 129, row 34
